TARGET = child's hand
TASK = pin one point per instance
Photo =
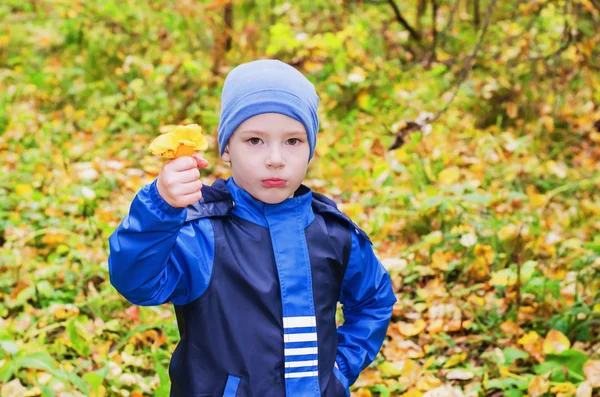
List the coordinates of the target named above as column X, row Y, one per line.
column 178, row 181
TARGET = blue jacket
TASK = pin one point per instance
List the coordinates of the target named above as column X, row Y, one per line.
column 255, row 288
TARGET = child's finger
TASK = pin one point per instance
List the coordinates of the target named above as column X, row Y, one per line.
column 201, row 162
column 183, row 163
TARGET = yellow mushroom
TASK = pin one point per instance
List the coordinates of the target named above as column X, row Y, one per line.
column 184, row 140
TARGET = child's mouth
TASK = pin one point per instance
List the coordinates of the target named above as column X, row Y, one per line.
column 274, row 182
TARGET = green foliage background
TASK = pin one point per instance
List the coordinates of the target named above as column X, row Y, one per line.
column 491, row 211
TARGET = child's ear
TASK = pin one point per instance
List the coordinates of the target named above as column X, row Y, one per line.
column 226, row 157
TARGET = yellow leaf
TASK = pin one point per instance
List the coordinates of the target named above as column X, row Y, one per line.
column 548, row 123
column 101, row 123
column 532, row 344
column 54, row 238
column 509, row 327
column 449, row 176
column 412, row 392
column 363, row 99
column 503, row 278
column 311, row 66
column 555, row 342
column 389, row 369
column 566, row 388
column 23, row 190
column 538, row 386
column 485, row 252
column 508, row 232
column 428, row 381
column 591, row 369
column 182, row 141
column 455, row 360
column 441, row 259
column 479, row 270
column 410, row 373
column 101, row 392
column 408, row 329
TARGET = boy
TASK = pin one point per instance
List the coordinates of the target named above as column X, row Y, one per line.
column 256, row 264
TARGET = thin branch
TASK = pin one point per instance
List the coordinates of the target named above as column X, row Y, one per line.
column 467, row 67
column 434, row 11
column 450, row 24
column 413, row 33
column 228, row 24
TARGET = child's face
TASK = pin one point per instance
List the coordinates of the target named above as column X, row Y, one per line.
column 270, row 145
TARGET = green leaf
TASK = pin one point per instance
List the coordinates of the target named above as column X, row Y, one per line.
column 39, row 360
column 572, row 360
column 478, row 198
column 94, row 380
column 382, row 390
column 7, row 371
column 431, row 202
column 513, row 393
column 77, row 381
column 507, row 383
column 77, row 341
column 438, row 70
column 163, row 389
column 511, row 355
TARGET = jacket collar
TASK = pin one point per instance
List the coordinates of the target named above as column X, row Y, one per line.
column 247, row 207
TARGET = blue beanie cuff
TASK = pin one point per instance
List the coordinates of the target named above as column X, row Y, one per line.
column 268, row 101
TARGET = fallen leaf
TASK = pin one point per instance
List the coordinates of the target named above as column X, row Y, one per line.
column 455, row 359
column 459, row 374
column 410, row 373
column 408, row 329
column 509, row 327
column 428, row 381
column 555, row 342
column 23, row 190
column 398, row 350
column 584, row 390
column 449, row 176
column 591, row 369
column 538, row 386
column 563, row 389
column 444, row 391
column 412, row 392
column 532, row 344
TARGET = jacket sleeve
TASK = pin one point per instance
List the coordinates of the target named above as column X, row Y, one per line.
column 367, row 298
column 155, row 256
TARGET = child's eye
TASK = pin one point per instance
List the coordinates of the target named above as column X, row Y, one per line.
column 254, row 141
column 294, row 141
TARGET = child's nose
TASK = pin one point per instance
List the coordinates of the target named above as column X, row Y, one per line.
column 274, row 158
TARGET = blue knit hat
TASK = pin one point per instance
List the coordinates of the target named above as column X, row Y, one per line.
column 267, row 86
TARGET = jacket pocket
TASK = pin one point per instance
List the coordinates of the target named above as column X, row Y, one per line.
column 231, row 387
column 340, row 377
